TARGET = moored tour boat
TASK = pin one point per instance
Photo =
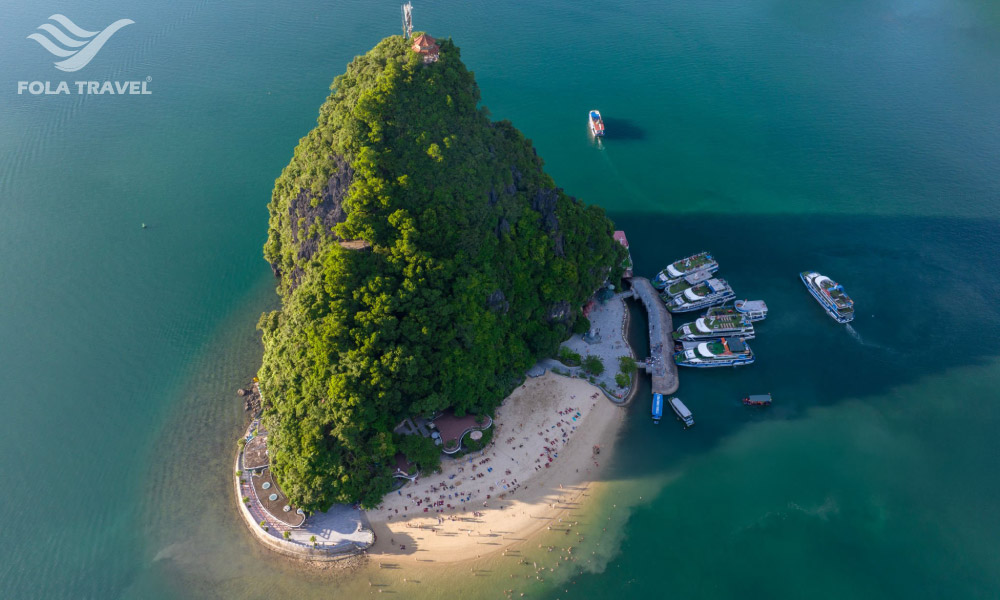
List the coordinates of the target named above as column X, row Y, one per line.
column 713, row 327
column 702, row 261
column 679, row 286
column 682, row 412
column 596, row 123
column 727, row 352
column 830, row 295
column 722, row 311
column 755, row 310
column 657, row 408
column 758, row 400
column 712, row 292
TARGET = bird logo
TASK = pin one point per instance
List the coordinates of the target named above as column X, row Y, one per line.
column 73, row 43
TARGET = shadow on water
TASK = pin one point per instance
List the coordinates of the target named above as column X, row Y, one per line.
column 617, row 128
column 923, row 288
column 927, row 281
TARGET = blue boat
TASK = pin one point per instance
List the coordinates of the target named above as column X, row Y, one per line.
column 657, row 408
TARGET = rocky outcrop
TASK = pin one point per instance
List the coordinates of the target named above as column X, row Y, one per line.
column 312, row 218
column 560, row 312
column 306, row 210
column 503, row 227
column 498, row 302
column 545, row 201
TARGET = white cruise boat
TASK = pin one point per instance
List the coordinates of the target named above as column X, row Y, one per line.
column 676, row 270
column 727, row 352
column 679, row 286
column 830, row 295
column 712, row 292
column 709, row 328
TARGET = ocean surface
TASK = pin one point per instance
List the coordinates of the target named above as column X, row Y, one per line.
column 859, row 139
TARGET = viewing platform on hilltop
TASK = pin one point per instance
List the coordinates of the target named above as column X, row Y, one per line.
column 660, row 364
column 355, row 245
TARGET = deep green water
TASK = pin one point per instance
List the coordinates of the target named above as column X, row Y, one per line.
column 858, row 139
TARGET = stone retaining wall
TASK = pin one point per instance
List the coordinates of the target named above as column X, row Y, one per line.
column 285, row 547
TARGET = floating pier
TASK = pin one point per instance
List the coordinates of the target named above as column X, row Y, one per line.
column 660, row 364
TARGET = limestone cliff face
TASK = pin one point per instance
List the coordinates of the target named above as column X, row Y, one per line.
column 311, row 219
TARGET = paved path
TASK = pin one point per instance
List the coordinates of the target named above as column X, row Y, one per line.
column 343, row 528
column 342, row 525
column 661, row 343
column 607, row 322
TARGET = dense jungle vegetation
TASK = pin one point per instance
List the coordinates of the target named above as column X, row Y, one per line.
column 474, row 265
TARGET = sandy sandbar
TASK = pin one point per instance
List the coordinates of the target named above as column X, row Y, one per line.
column 553, row 434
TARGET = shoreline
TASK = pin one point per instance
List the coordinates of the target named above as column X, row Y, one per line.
column 551, row 437
column 490, row 520
column 627, row 400
column 541, row 497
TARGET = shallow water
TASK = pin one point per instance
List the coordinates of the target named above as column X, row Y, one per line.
column 861, row 141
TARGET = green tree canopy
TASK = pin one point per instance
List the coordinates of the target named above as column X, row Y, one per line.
column 473, row 266
column 593, row 365
column 421, row 451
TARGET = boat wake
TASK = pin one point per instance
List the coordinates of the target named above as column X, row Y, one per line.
column 626, row 183
column 860, row 340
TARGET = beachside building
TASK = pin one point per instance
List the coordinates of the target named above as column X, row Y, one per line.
column 427, row 46
column 404, row 468
column 449, row 430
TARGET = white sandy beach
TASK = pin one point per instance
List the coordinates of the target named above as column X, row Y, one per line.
column 539, row 464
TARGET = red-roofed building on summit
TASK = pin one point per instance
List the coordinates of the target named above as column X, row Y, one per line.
column 426, row 45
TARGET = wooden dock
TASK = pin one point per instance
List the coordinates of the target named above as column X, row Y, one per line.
column 660, row 364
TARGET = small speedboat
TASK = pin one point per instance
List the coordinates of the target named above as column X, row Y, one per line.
column 682, row 412
column 758, row 400
column 657, row 408
column 596, row 123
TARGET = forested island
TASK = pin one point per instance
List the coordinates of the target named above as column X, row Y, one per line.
column 425, row 261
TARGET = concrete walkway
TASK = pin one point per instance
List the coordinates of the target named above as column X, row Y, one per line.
column 342, row 525
column 660, row 363
column 607, row 322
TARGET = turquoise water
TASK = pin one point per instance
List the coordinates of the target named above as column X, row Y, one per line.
column 861, row 141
